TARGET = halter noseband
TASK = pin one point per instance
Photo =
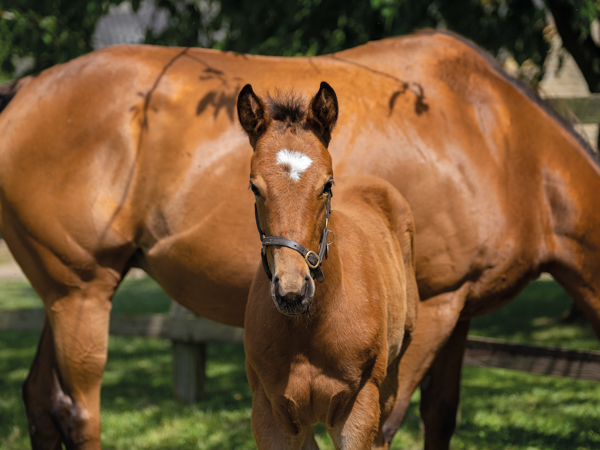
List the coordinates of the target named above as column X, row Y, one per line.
column 313, row 260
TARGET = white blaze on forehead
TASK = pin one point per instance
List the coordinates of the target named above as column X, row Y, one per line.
column 294, row 163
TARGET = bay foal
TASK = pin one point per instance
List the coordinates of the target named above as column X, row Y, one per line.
column 322, row 352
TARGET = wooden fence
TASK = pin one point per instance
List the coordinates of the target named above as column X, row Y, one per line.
column 585, row 109
column 190, row 333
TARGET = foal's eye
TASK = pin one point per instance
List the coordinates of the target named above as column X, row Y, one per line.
column 255, row 190
column 327, row 187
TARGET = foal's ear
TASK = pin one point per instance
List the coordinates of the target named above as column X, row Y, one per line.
column 252, row 113
column 323, row 112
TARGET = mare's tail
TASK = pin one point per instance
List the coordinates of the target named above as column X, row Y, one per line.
column 8, row 91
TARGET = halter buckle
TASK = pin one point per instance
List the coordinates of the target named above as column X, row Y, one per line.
column 312, row 266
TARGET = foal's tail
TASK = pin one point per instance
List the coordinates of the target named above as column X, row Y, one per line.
column 8, row 91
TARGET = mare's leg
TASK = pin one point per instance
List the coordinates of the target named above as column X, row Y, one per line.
column 40, row 391
column 440, row 390
column 79, row 319
column 584, row 288
column 76, row 292
column 387, row 399
column 436, row 321
column 356, row 430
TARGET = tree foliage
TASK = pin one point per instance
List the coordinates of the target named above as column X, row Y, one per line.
column 572, row 18
column 318, row 26
column 57, row 30
column 52, row 31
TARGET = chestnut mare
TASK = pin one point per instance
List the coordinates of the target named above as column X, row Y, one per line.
column 130, row 156
column 327, row 353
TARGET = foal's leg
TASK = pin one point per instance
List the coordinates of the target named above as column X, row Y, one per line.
column 309, row 440
column 267, row 429
column 436, row 321
column 440, row 390
column 356, row 430
column 269, row 434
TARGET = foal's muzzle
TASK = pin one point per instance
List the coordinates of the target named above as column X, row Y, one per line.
column 295, row 302
column 290, row 296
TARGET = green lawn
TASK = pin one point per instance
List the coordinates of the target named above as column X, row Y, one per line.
column 500, row 409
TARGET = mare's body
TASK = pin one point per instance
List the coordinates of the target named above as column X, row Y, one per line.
column 130, row 156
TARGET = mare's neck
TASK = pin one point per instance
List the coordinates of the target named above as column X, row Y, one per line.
column 571, row 180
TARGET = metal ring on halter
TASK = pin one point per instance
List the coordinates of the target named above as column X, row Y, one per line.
column 328, row 233
column 312, row 266
column 327, row 244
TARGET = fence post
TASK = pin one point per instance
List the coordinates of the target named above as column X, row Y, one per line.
column 189, row 364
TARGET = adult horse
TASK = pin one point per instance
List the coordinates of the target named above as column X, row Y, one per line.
column 130, row 156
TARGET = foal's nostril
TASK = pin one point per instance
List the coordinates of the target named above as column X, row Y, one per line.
column 276, row 287
column 305, row 286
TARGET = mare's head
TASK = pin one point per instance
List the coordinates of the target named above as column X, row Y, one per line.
column 291, row 177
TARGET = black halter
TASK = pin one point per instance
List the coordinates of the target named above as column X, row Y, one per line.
column 313, row 260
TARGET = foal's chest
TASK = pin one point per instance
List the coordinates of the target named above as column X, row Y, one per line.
column 313, row 395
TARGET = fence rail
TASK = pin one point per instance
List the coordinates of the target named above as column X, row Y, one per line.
column 586, row 109
column 544, row 360
column 189, row 334
column 187, row 328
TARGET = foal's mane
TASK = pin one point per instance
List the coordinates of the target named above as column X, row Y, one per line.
column 288, row 107
column 526, row 90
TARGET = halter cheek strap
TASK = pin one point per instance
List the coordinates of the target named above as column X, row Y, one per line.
column 313, row 260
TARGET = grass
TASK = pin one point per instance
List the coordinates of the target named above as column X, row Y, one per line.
column 501, row 409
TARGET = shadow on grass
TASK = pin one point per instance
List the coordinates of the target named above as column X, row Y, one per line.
column 142, row 371
column 503, row 408
column 500, row 409
column 17, row 350
column 140, row 296
column 138, row 392
column 534, row 317
column 485, row 437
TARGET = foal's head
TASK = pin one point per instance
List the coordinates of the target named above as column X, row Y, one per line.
column 291, row 177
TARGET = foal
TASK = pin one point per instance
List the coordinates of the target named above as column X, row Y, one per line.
column 325, row 352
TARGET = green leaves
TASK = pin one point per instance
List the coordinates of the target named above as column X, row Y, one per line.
column 54, row 31
column 51, row 31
